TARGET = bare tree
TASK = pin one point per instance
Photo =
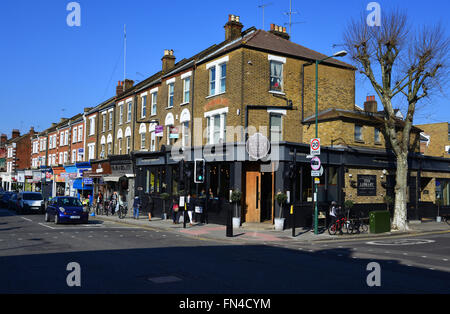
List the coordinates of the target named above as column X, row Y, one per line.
column 401, row 63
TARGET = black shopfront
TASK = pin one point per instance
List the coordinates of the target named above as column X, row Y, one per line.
column 158, row 173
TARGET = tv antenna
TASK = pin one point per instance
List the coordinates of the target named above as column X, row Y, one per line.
column 290, row 13
column 263, row 6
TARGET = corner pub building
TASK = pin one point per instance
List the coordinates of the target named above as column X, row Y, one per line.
column 208, row 106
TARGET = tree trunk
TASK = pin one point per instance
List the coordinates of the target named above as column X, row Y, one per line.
column 400, row 207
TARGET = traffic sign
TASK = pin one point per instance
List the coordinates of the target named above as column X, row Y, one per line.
column 315, row 173
column 315, row 146
column 315, row 163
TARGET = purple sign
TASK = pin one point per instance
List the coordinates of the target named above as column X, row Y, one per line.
column 159, row 130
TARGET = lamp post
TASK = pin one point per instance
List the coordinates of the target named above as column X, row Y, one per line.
column 337, row 54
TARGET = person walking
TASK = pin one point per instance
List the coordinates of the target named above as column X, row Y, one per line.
column 136, row 206
column 175, row 209
column 190, row 208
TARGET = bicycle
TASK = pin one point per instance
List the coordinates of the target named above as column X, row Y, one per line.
column 123, row 210
column 341, row 225
column 357, row 226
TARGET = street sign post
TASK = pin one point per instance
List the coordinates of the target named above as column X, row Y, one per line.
column 315, row 163
column 315, row 147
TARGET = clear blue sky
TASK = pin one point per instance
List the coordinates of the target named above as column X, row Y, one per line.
column 49, row 70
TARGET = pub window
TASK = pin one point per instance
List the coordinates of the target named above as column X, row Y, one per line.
column 275, row 128
column 276, row 76
column 358, row 133
column 377, row 138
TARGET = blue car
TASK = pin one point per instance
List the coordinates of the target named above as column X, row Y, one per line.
column 66, row 209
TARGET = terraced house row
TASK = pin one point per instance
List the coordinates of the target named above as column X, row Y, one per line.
column 247, row 107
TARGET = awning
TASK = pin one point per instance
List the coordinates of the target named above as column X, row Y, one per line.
column 112, row 178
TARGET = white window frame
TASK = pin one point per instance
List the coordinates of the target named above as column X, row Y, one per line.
column 80, row 133
column 121, row 113
column 210, row 117
column 144, row 105
column 129, row 110
column 92, row 126
column 170, row 95
column 74, row 135
column 217, row 65
column 104, row 122
column 187, row 99
column 154, row 100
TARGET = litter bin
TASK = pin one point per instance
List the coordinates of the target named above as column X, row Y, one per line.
column 380, row 221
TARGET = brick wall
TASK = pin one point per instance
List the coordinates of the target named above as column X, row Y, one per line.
column 438, row 133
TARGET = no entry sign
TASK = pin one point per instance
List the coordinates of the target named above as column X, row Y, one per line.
column 315, row 146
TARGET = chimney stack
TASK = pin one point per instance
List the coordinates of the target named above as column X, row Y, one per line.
column 119, row 88
column 233, row 28
column 3, row 139
column 32, row 132
column 128, row 84
column 15, row 133
column 168, row 61
column 279, row 31
column 87, row 109
column 63, row 120
column 370, row 105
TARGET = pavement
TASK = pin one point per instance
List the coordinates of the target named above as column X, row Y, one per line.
column 265, row 233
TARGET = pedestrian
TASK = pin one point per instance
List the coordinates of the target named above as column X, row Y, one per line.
column 333, row 213
column 136, row 206
column 175, row 209
column 190, row 208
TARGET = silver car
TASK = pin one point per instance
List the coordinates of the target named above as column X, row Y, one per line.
column 30, row 202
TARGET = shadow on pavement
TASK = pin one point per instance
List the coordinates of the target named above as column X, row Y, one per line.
column 236, row 269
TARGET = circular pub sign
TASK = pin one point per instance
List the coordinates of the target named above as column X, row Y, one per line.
column 315, row 163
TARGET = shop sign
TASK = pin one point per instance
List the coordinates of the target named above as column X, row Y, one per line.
column 174, row 133
column 159, row 131
column 88, row 181
column 21, row 177
column 367, row 185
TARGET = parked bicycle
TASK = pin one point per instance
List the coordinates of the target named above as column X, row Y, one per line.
column 341, row 225
column 123, row 210
column 357, row 226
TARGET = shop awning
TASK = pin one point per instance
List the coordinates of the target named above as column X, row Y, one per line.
column 112, row 178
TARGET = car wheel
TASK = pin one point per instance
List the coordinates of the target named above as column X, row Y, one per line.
column 47, row 217
column 57, row 219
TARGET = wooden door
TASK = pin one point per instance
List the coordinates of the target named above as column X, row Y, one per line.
column 253, row 197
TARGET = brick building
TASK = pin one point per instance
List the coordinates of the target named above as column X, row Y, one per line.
column 18, row 152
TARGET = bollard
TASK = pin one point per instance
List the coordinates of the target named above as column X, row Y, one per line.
column 293, row 220
column 230, row 223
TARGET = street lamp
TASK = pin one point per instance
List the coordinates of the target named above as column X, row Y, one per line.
column 337, row 54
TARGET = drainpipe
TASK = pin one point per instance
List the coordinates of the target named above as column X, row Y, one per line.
column 303, row 89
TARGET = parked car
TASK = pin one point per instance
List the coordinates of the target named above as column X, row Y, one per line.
column 66, row 209
column 30, row 202
column 4, row 198
column 12, row 201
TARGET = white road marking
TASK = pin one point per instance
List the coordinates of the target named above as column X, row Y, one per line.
column 44, row 225
column 26, row 219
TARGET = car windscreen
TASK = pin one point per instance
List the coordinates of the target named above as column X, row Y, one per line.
column 32, row 197
column 70, row 202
